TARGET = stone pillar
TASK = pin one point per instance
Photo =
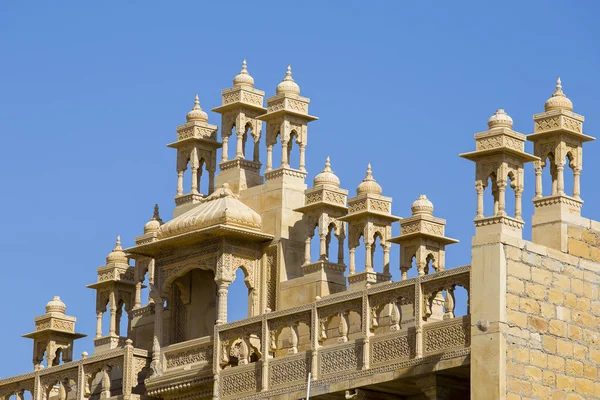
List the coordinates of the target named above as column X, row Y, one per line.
column 256, row 156
column 269, row 158
column 50, row 354
column 284, row 154
column 576, row 180
column 518, row 203
column 368, row 258
column 105, row 391
column 239, row 148
column 479, row 188
column 222, row 303
column 157, row 339
column 179, row 183
column 314, row 357
column 224, row 155
column 501, row 197
column 302, row 157
column 340, row 259
column 195, row 179
column 322, row 246
column 307, row 249
column 138, row 295
column 113, row 314
column 211, row 180
column 99, row 323
column 386, row 259
column 538, row 180
column 560, row 178
column 404, row 271
column 352, row 261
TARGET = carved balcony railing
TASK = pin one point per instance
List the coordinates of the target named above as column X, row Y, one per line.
column 344, row 336
column 120, row 372
column 192, row 354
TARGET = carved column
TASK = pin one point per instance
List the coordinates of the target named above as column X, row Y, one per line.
column 340, row 259
column 105, row 392
column 344, row 326
column 352, row 261
column 479, row 188
column 113, row 313
column 418, row 319
column 157, row 339
column 294, row 337
column 314, row 342
column 501, row 197
column 195, row 179
column 138, row 295
column 307, row 249
column 222, row 302
column 239, row 149
column 118, row 325
column 179, row 183
column 99, row 324
column 449, row 304
column 576, row 180
column 404, row 271
column 518, row 203
column 256, row 155
column 224, row 155
column 269, row 158
column 322, row 245
column 366, row 330
column 560, row 178
column 211, row 180
column 368, row 258
column 302, row 157
column 265, row 345
column 386, row 258
column 284, row 154
column 50, row 354
column 538, row 180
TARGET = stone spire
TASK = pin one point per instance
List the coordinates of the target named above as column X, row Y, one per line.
column 369, row 184
column 197, row 114
column 327, row 177
column 287, row 85
column 155, row 222
column 558, row 101
column 243, row 78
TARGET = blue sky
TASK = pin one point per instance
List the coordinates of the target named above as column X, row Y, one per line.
column 90, row 93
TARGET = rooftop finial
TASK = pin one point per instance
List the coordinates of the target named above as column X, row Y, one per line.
column 118, row 245
column 288, row 74
column 558, row 100
column 197, row 114
column 369, row 173
column 243, row 78
column 156, row 214
column 327, row 177
column 558, row 91
column 369, row 185
column 244, row 70
column 327, row 164
column 288, row 85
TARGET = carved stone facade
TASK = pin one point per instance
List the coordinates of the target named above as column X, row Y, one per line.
column 520, row 322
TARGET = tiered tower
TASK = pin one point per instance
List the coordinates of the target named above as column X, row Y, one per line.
column 558, row 142
column 242, row 104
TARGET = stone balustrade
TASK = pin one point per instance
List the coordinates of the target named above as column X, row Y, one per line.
column 346, row 335
column 120, row 372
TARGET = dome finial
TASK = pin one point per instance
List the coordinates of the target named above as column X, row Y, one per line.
column 327, row 177
column 118, row 245
column 117, row 255
column 243, row 78
column 155, row 222
column 156, row 213
column 558, row 101
column 197, row 114
column 287, row 85
column 422, row 206
column 56, row 305
column 500, row 118
column 369, row 185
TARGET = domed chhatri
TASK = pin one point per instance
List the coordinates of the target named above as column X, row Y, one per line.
column 56, row 305
column 327, row 177
column 155, row 222
column 558, row 101
column 287, row 85
column 243, row 78
column 500, row 119
column 117, row 255
column 369, row 185
column 422, row 205
column 196, row 114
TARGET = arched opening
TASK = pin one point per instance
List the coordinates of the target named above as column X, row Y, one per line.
column 510, row 205
column 293, row 150
column 248, row 142
column 548, row 176
column 58, row 355
column 340, row 327
column 461, row 298
column 568, row 174
column 413, row 272
column 105, row 317
column 377, row 253
column 203, row 178
column 192, row 305
column 122, row 320
column 334, row 244
column 145, row 290
column 290, row 339
column 276, row 151
column 20, row 395
column 490, row 196
column 360, row 254
column 187, row 177
column 430, row 267
column 315, row 245
column 239, row 297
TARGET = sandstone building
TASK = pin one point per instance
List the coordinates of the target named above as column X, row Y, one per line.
column 529, row 325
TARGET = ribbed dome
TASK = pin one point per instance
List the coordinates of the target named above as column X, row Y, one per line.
column 558, row 101
column 155, row 222
column 117, row 255
column 56, row 305
column 196, row 114
column 287, row 85
column 369, row 185
column 500, row 118
column 221, row 207
column 243, row 78
column 422, row 205
column 327, row 177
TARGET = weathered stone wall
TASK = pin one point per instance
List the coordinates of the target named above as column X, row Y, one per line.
column 553, row 315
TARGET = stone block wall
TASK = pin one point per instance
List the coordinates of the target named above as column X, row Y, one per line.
column 553, row 319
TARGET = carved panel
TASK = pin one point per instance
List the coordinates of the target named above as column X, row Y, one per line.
column 447, row 335
column 244, row 380
column 393, row 347
column 288, row 370
column 340, row 359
